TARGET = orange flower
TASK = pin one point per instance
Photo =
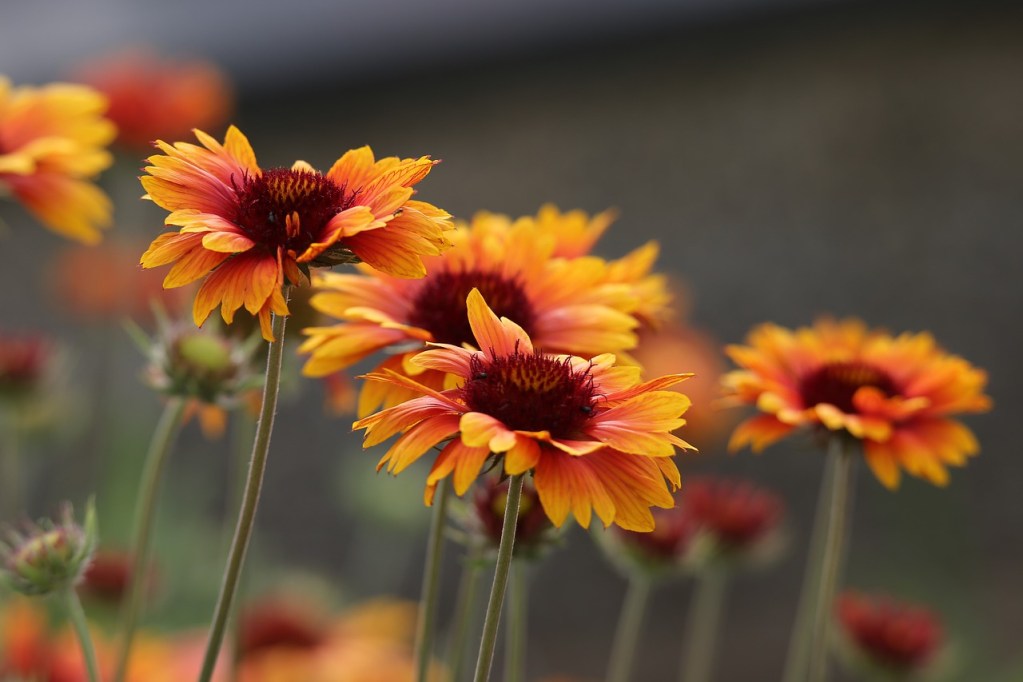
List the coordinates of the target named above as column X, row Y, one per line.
column 566, row 305
column 52, row 143
column 595, row 438
column 895, row 394
column 247, row 230
column 152, row 98
column 903, row 639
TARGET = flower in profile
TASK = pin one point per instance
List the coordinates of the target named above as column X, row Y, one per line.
column 52, row 144
column 881, row 634
column 153, row 97
column 47, row 557
column 595, row 438
column 206, row 367
column 247, row 231
column 894, row 394
column 565, row 304
column 484, row 518
column 25, row 366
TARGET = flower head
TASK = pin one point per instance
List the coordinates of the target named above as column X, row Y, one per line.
column 49, row 557
column 246, row 231
column 895, row 394
column 900, row 638
column 153, row 97
column 574, row 304
column 24, row 366
column 595, row 438
column 52, row 144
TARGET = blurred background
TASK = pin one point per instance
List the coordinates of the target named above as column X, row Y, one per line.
column 792, row 158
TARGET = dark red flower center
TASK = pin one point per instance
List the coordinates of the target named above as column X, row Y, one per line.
column 22, row 364
column 440, row 309
column 895, row 634
column 837, row 382
column 288, row 208
column 531, row 392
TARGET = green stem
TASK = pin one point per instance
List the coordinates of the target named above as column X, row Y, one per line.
column 831, row 561
column 630, row 623
column 797, row 658
column 488, row 642
column 464, row 603
column 10, row 472
column 250, row 500
column 81, row 627
column 518, row 607
column 145, row 508
column 428, row 596
column 242, row 431
column 702, row 626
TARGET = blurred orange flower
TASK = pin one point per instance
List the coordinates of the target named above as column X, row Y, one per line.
column 245, row 230
column 580, row 305
column 595, row 438
column 52, row 144
column 901, row 638
column 156, row 98
column 895, row 394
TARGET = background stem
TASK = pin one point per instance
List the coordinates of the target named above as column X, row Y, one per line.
column 630, row 624
column 465, row 604
column 81, row 627
column 702, row 625
column 518, row 618
column 430, row 592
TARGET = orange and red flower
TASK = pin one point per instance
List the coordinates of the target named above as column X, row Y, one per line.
column 900, row 637
column 578, row 305
column 248, row 231
column 156, row 98
column 895, row 394
column 595, row 437
column 52, row 144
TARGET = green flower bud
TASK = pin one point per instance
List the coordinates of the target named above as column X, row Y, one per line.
column 48, row 557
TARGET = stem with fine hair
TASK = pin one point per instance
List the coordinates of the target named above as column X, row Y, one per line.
column 702, row 626
column 428, row 596
column 464, row 603
column 250, row 499
column 488, row 641
column 81, row 627
column 630, row 623
column 831, row 560
column 145, row 508
column 797, row 657
column 518, row 616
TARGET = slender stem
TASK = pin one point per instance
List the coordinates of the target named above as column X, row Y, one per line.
column 702, row 626
column 250, row 500
column 10, row 472
column 145, row 508
column 430, row 592
column 242, row 430
column 81, row 628
column 831, row 561
column 518, row 617
column 798, row 654
column 488, row 642
column 630, row 623
column 464, row 603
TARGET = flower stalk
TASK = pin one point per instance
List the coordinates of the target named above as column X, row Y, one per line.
column 152, row 474
column 81, row 627
column 702, row 626
column 630, row 624
column 831, row 559
column 464, row 608
column 488, row 642
column 250, row 498
column 430, row 592
column 518, row 616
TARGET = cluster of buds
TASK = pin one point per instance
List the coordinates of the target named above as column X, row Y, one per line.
column 483, row 518
column 46, row 557
column 888, row 639
column 718, row 523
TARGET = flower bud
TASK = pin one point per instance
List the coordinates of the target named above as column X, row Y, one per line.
column 485, row 517
column 49, row 557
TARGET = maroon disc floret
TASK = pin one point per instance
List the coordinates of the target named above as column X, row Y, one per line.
column 837, row 382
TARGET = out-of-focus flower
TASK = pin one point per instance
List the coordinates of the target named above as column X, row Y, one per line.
column 157, row 98
column 52, row 144
column 104, row 283
column 341, row 393
column 718, row 523
column 579, row 305
column 279, row 623
column 895, row 394
column 48, row 557
column 671, row 348
column 107, row 576
column 35, row 395
column 888, row 638
column 206, row 367
column 25, row 366
column 484, row 518
column 246, row 231
column 594, row 436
